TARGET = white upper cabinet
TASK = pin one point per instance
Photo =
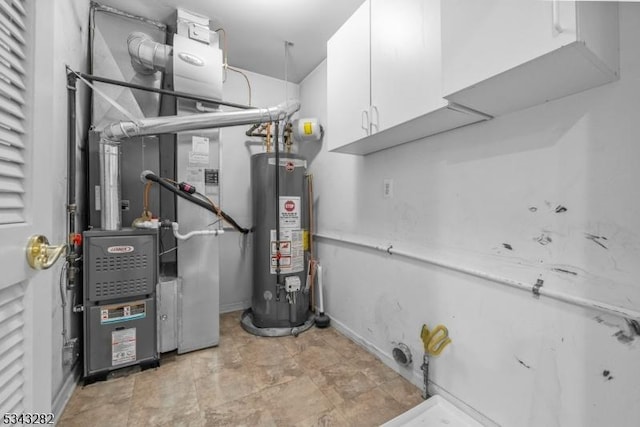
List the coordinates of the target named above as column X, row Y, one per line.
column 384, row 78
column 503, row 55
column 405, row 61
column 348, row 80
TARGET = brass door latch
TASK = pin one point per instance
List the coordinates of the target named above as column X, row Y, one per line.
column 41, row 255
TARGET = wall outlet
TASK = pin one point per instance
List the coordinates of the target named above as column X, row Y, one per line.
column 387, row 189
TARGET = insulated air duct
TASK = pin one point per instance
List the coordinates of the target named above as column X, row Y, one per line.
column 172, row 124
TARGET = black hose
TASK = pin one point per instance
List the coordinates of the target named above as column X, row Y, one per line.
column 251, row 130
column 167, row 185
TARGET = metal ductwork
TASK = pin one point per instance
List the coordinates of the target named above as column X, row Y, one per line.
column 147, row 55
column 112, row 134
column 172, row 124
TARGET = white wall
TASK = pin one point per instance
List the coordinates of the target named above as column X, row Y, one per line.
column 235, row 249
column 71, row 20
column 460, row 195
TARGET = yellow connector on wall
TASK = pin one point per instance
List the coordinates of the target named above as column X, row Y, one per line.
column 436, row 340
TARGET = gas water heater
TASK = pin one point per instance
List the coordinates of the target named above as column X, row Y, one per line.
column 284, row 304
column 282, row 260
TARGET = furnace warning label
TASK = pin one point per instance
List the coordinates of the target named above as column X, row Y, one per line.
column 200, row 144
column 291, row 251
column 289, row 212
column 195, row 177
column 200, row 151
column 123, row 312
column 123, row 346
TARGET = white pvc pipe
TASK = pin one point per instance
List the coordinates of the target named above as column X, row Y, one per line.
column 175, row 226
column 320, row 289
column 503, row 281
column 532, row 289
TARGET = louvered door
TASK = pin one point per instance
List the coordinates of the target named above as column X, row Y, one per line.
column 12, row 349
column 17, row 205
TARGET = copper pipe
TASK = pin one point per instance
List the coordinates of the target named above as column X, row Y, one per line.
column 268, row 128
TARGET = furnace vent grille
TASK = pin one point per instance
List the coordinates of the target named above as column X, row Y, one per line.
column 120, row 263
column 120, row 288
column 111, row 274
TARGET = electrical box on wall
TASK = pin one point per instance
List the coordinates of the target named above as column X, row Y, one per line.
column 387, row 188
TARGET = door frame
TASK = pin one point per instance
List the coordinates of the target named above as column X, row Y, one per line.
column 42, row 207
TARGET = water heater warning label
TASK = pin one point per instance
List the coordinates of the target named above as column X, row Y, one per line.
column 289, row 212
column 123, row 346
column 291, row 251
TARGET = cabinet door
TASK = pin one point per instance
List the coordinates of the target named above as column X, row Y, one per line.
column 406, row 70
column 348, row 80
column 483, row 38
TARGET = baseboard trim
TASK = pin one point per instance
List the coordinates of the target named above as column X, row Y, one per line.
column 64, row 394
column 234, row 306
column 410, row 375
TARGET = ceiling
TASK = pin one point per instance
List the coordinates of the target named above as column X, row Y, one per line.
column 257, row 29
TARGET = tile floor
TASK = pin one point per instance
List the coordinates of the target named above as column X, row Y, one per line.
column 320, row 378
